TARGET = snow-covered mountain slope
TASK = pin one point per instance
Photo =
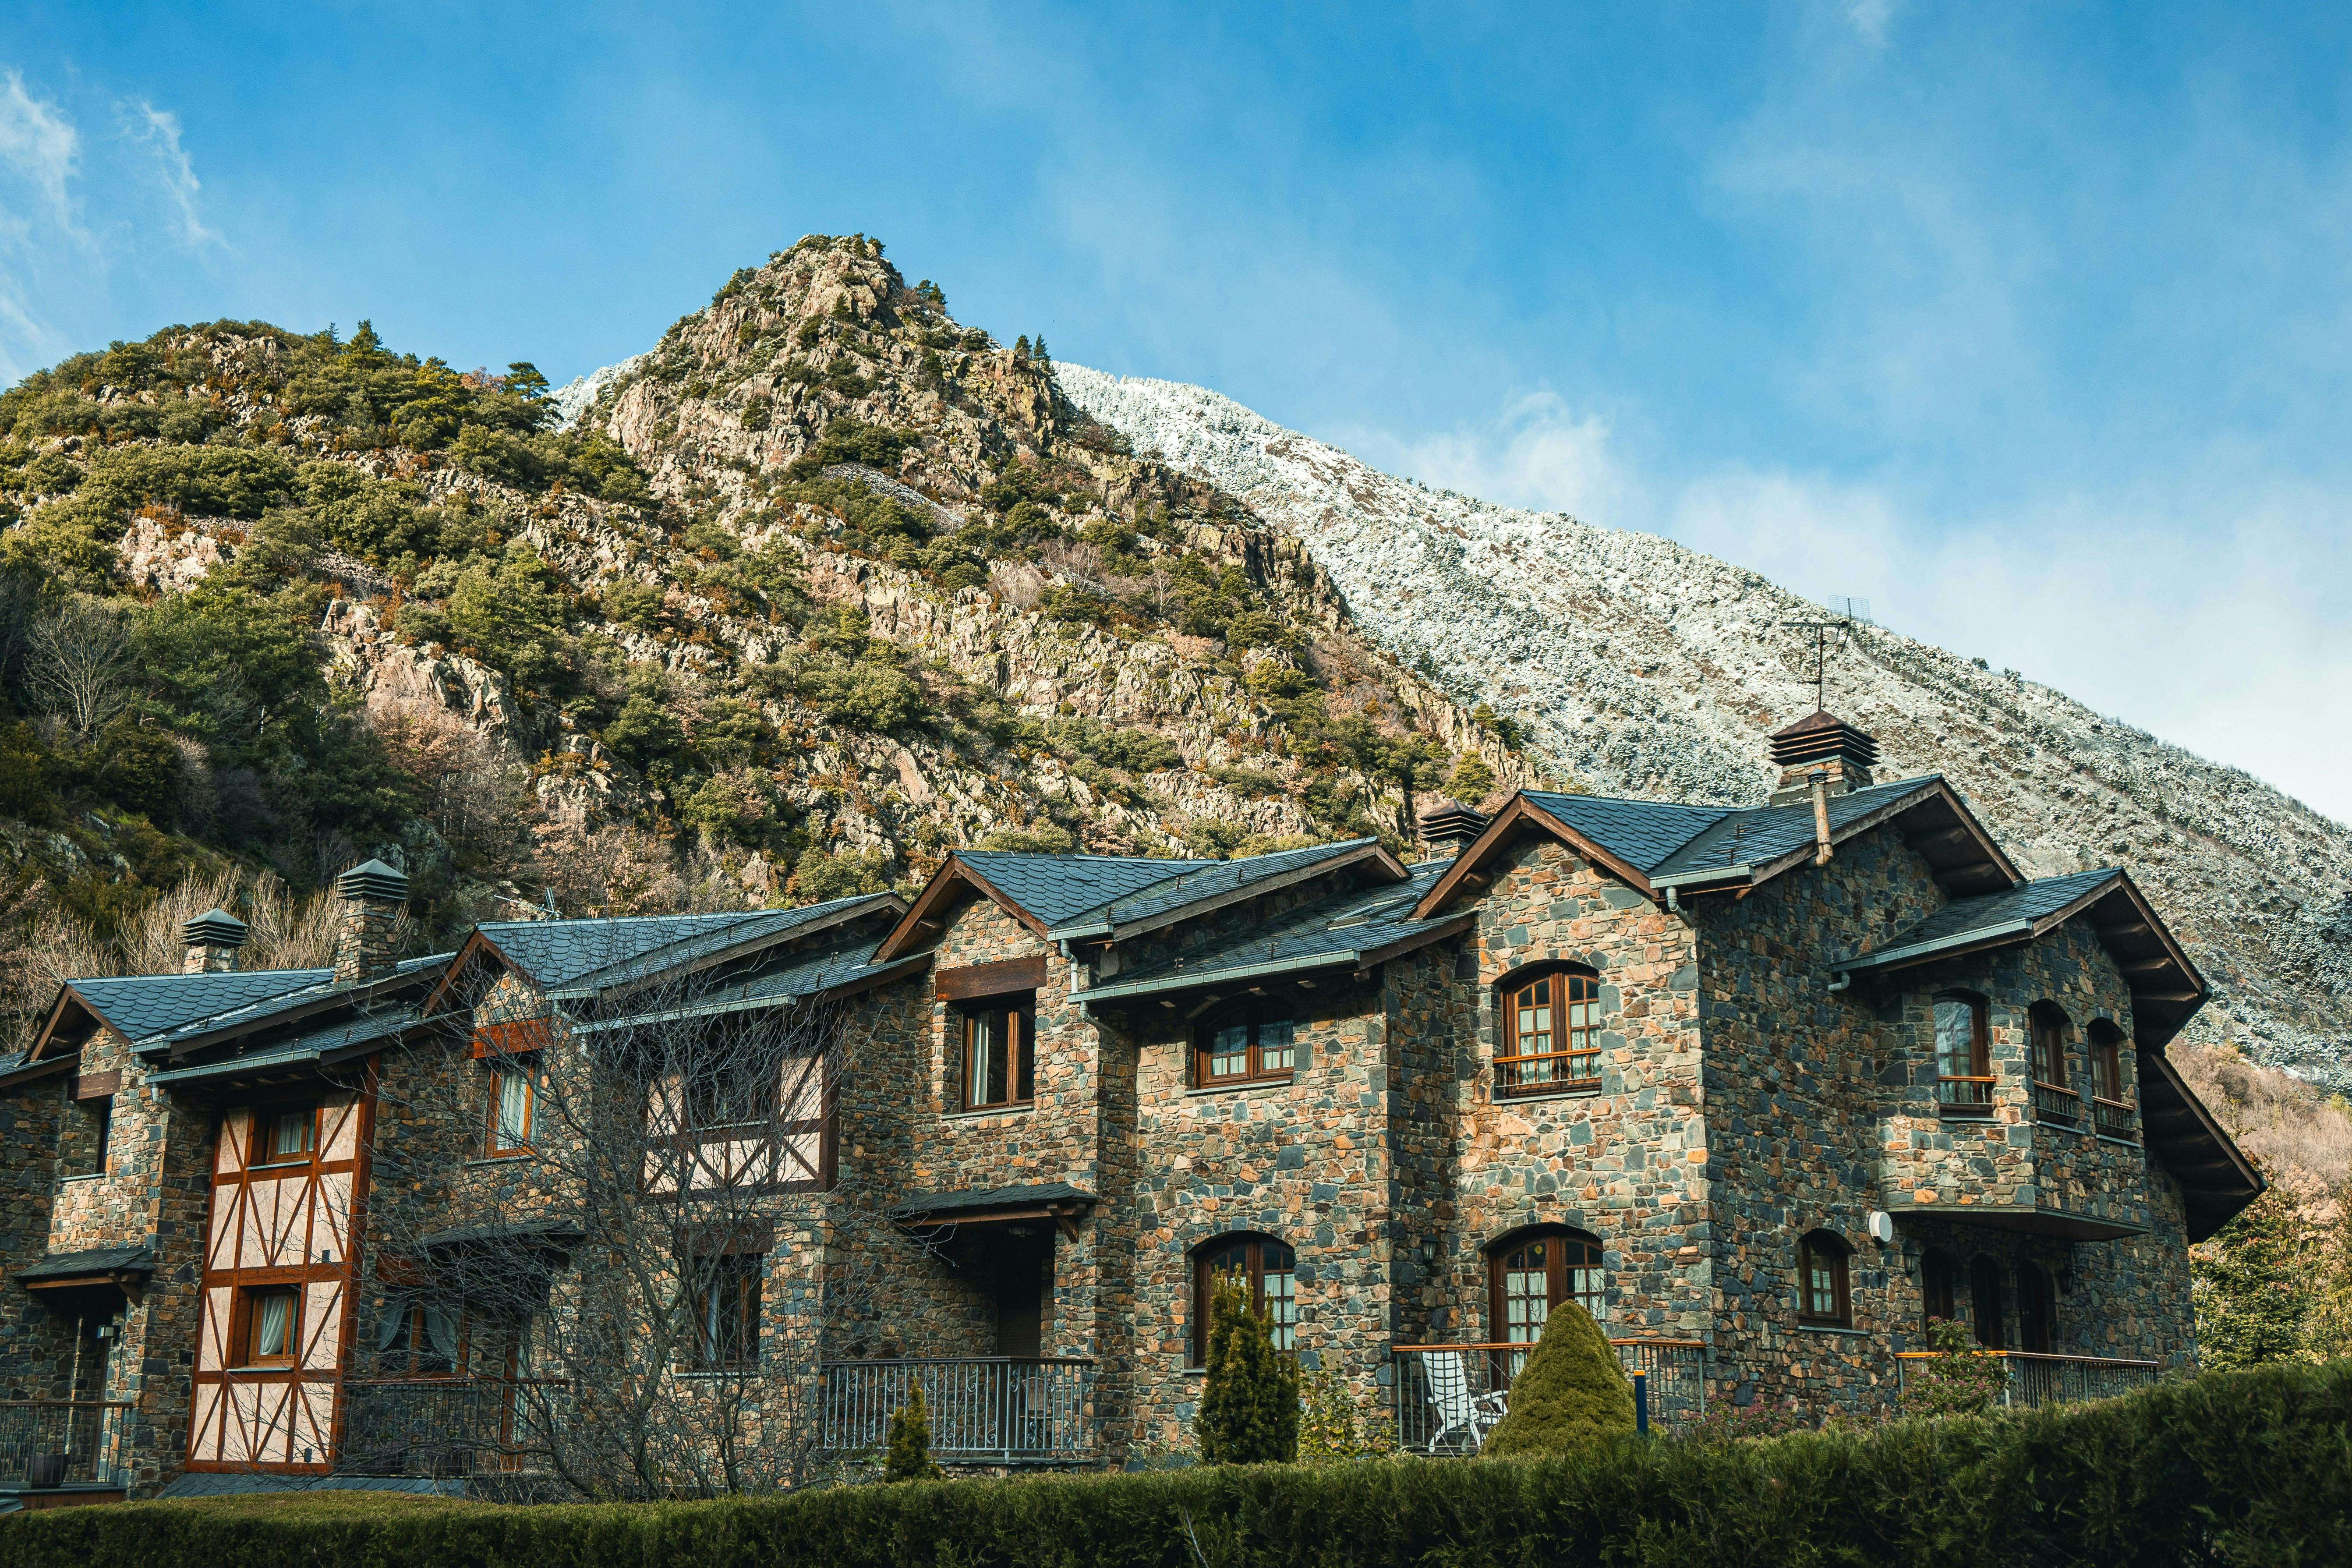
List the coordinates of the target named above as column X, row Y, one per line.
column 1646, row 668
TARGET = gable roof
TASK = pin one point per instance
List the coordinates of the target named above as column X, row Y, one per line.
column 1221, row 882
column 1655, row 846
column 838, row 971
column 1344, row 929
column 2217, row 1181
column 1041, row 891
column 182, row 1013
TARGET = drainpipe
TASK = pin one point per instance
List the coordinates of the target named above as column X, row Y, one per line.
column 1820, row 779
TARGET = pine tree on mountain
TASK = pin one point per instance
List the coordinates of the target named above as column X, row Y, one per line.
column 1021, row 348
column 1037, row 352
column 1249, row 1401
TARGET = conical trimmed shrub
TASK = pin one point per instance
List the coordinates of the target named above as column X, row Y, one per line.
column 1249, row 1408
column 1571, row 1390
column 908, row 1457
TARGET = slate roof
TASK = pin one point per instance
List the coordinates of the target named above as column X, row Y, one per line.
column 1208, row 880
column 302, row 1049
column 1761, row 835
column 803, row 975
column 1329, row 931
column 964, row 1201
column 1963, row 919
column 94, row 1260
column 1642, row 832
column 571, row 955
column 1058, row 888
column 160, row 1010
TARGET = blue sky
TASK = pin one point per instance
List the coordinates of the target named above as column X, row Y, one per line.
column 2032, row 324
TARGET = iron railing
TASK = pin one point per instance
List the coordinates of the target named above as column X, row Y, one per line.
column 1552, row 1072
column 64, row 1442
column 444, row 1425
column 2033, row 1378
column 982, row 1410
column 1965, row 1096
column 2057, row 1105
column 2116, row 1119
column 1449, row 1396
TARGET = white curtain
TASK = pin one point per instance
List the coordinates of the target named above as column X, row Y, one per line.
column 514, row 1109
column 273, row 1326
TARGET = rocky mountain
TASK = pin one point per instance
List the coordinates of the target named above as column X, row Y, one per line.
column 1650, row 670
column 817, row 588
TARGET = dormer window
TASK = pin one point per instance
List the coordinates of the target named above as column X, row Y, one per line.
column 1551, row 1033
column 1245, row 1045
column 1963, row 1056
column 999, row 1053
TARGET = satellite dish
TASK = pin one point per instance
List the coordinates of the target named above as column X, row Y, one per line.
column 1881, row 1225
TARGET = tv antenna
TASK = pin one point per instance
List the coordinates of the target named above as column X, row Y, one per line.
column 1843, row 616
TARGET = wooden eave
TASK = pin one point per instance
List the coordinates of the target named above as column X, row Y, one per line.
column 1391, row 869
column 1519, row 814
column 29, row 1071
column 68, row 998
column 475, row 945
column 933, row 905
column 1964, row 853
column 325, row 1002
column 2217, row 1181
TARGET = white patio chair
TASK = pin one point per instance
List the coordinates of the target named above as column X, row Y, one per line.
column 1458, row 1408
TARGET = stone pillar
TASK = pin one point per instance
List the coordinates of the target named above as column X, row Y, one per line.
column 374, row 895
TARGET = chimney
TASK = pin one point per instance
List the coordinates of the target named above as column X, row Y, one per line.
column 374, row 895
column 1822, row 744
column 212, row 938
column 1448, row 829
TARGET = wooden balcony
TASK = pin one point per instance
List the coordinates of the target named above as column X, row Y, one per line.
column 1449, row 1396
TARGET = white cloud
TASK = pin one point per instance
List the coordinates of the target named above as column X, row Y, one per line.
column 1869, row 19
column 158, row 130
column 39, row 152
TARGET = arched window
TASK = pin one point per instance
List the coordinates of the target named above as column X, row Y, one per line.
column 1530, row 1273
column 1963, row 1056
column 1984, row 1302
column 1245, row 1045
column 2032, row 1309
column 2053, row 1100
column 1551, row 1033
column 1824, row 1299
column 1267, row 1271
column 2112, row 1111
column 1935, row 1285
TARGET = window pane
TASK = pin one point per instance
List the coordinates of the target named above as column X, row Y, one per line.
column 1273, row 1046
column 1020, row 1034
column 290, row 1135
column 1229, row 1051
column 514, row 1109
column 1531, row 1014
column 273, row 1326
column 1281, row 1297
column 1527, row 1293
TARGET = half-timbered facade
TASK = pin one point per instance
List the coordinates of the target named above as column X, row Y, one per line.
column 1764, row 1089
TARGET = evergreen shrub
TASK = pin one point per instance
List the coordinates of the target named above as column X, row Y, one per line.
column 1249, row 1401
column 1572, row 1391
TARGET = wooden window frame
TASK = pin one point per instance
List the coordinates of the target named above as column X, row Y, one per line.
column 1984, row 1309
column 1965, row 1097
column 1572, row 1060
column 1256, row 1250
column 1256, row 1019
column 88, row 1109
column 264, row 1133
column 1822, row 1247
column 1939, row 1286
column 2111, row 1113
column 1557, row 1287
column 742, row 1275
column 499, row 1069
column 2047, row 1029
column 2037, row 1310
column 1019, row 1012
column 250, row 1298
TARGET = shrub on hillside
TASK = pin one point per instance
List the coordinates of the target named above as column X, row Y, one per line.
column 1572, row 1391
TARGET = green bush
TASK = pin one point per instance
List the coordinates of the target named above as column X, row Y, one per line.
column 1572, row 1391
column 1249, row 1401
column 908, row 1455
column 2247, row 1467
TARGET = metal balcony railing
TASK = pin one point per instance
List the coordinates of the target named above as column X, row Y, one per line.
column 2057, row 1105
column 2033, row 1378
column 444, row 1425
column 1966, row 1097
column 1449, row 1396
column 982, row 1410
column 2116, row 1119
column 64, row 1442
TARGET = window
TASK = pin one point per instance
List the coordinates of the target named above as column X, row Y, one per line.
column 1551, row 1033
column 1963, row 1056
column 2032, row 1309
column 1984, row 1302
column 2053, row 1100
column 1240, row 1046
column 1531, row 1273
column 1935, row 1285
column 418, row 1339
column 1265, row 1269
column 510, row 1106
column 1823, row 1298
column 285, row 1134
column 89, row 1123
column 998, row 1047
column 273, row 1322
column 727, row 1312
column 2113, row 1113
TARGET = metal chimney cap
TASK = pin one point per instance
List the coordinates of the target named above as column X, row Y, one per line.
column 372, row 880
column 214, row 927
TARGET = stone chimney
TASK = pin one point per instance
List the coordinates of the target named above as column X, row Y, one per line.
column 1825, row 745
column 212, row 938
column 374, row 895
column 1448, row 829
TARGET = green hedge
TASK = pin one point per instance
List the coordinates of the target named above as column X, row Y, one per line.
column 2253, row 1468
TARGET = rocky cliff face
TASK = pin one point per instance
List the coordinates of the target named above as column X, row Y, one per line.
column 1650, row 670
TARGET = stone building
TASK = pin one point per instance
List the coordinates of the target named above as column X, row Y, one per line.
column 1764, row 1089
